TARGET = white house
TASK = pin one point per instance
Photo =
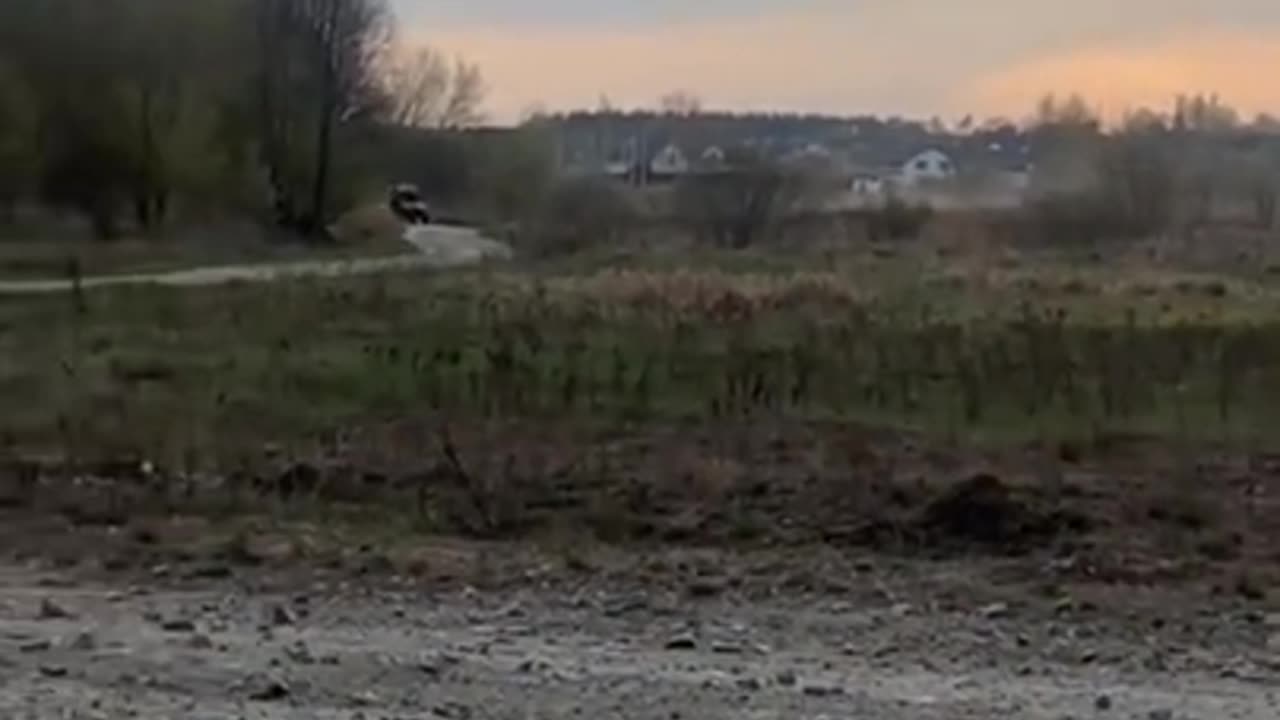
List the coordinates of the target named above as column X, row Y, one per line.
column 670, row 161
column 928, row 166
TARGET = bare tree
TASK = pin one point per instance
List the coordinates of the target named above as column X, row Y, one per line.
column 1138, row 175
column 1204, row 113
column 318, row 64
column 426, row 90
column 1070, row 112
column 347, row 37
column 1266, row 200
column 18, row 158
column 1261, row 178
column 681, row 103
column 736, row 207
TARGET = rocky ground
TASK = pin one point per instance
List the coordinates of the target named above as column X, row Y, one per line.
column 1117, row 588
column 892, row 641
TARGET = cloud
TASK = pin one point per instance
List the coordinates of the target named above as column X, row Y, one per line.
column 1235, row 64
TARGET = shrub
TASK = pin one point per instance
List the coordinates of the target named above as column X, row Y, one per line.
column 1074, row 218
column 897, row 219
column 736, row 207
column 580, row 214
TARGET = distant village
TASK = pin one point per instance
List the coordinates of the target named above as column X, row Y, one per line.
column 862, row 160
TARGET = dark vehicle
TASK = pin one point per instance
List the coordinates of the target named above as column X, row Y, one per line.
column 407, row 204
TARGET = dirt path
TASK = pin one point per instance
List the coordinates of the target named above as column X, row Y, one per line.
column 437, row 247
column 76, row 650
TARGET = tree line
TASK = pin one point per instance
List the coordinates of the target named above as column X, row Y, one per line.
column 1154, row 171
column 133, row 112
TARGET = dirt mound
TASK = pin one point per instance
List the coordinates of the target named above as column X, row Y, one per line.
column 984, row 511
column 372, row 223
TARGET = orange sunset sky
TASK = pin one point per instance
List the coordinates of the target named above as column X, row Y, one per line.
column 909, row 57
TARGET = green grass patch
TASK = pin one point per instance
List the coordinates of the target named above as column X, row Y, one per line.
column 214, row 372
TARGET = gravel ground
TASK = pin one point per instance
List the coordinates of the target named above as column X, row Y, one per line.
column 73, row 648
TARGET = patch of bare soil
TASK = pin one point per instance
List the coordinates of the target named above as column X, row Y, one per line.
column 705, row 636
column 744, row 487
column 507, row 571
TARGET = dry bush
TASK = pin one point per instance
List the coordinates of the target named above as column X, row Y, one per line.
column 897, row 219
column 1133, row 197
column 1080, row 218
column 738, row 207
column 581, row 214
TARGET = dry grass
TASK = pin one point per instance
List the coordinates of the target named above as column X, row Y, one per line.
column 955, row 348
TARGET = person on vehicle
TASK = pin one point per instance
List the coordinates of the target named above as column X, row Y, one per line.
column 407, row 204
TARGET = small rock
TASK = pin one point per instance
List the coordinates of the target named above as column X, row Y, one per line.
column 282, row 615
column 623, row 606
column 270, row 690
column 749, row 684
column 705, row 587
column 50, row 610
column 1088, row 656
column 682, row 642
column 884, row 651
column 822, row 690
column 300, row 653
column 178, row 625
column 364, row 699
column 1102, row 703
column 211, row 571
column 452, row 711
column 1162, row 714
column 1249, row 589
column 200, row 641
column 35, row 646
column 786, row 678
column 995, row 611
column 53, row 671
column 84, row 642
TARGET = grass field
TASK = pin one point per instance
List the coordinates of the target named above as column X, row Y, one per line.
column 858, row 400
column 986, row 355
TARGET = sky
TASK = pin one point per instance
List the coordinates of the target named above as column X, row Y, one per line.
column 916, row 58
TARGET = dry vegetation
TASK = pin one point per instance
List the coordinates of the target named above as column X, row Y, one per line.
column 757, row 403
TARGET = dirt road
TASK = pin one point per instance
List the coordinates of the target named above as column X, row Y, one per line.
column 437, row 247
column 227, row 649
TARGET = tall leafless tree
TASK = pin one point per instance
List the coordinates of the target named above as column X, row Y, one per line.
column 425, row 90
column 680, row 102
column 318, row 61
